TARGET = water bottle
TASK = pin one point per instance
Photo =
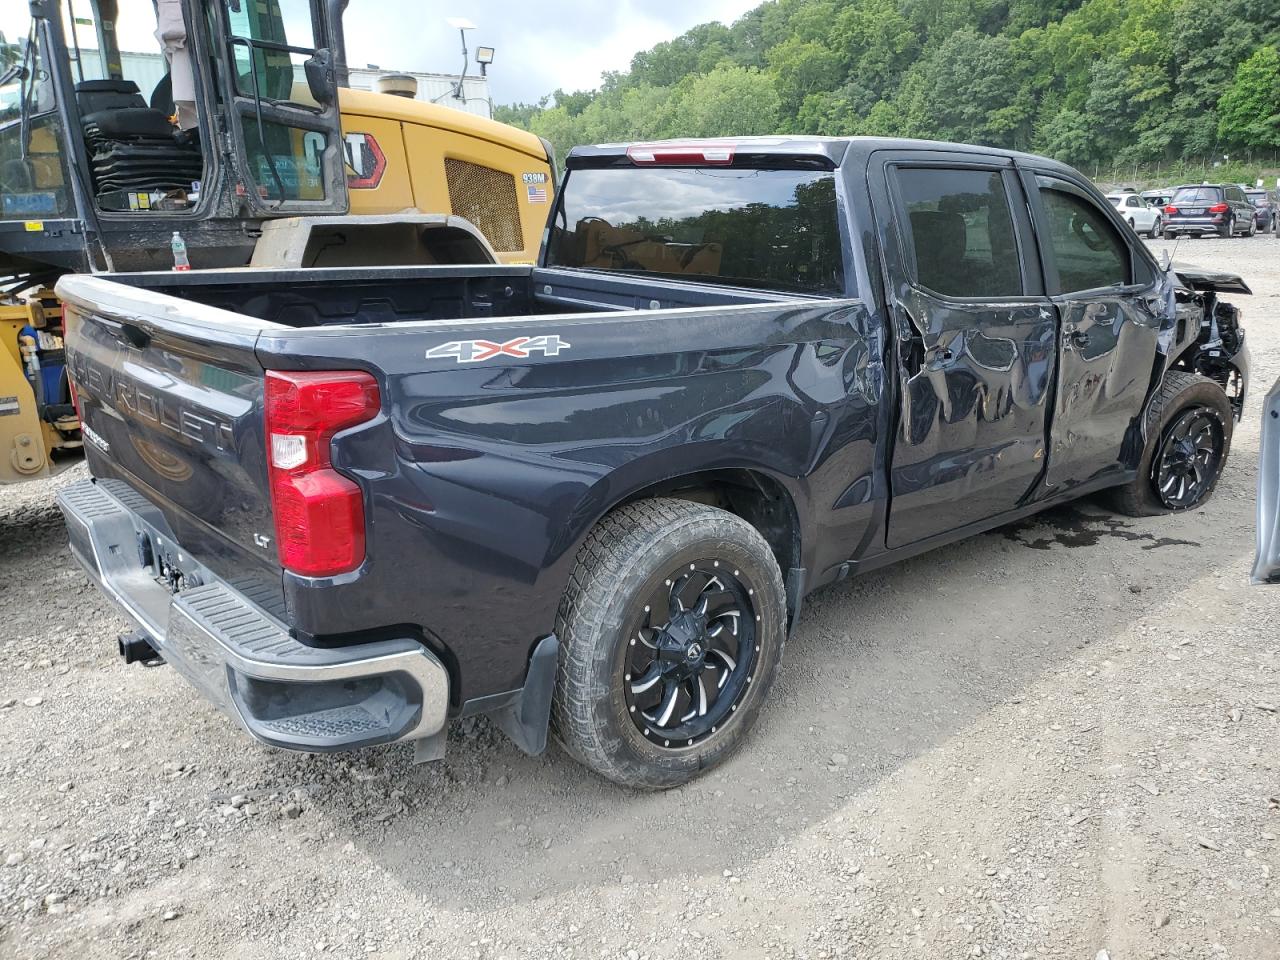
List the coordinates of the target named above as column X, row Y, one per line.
column 179, row 247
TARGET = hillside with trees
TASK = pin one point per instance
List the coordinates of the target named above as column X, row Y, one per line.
column 1097, row 83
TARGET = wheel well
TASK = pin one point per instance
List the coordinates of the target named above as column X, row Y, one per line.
column 755, row 497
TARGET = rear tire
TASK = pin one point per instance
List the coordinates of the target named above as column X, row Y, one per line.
column 703, row 678
column 1169, row 234
column 1228, row 229
column 1185, row 401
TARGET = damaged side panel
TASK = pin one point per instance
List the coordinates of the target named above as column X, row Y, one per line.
column 971, row 438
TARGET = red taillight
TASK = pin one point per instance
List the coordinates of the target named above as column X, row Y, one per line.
column 681, row 154
column 319, row 513
column 1219, row 208
column 75, row 399
column 1171, row 209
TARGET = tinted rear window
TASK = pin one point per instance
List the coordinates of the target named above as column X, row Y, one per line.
column 1198, row 195
column 775, row 229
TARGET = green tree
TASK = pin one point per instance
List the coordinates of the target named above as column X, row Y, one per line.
column 728, row 101
column 1089, row 81
column 800, row 68
column 1249, row 109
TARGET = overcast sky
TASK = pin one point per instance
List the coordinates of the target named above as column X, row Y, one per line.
column 539, row 45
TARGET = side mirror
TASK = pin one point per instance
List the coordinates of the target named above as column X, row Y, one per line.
column 320, row 77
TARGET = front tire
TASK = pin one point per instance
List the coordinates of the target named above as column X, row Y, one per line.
column 671, row 630
column 1155, row 229
column 1189, row 425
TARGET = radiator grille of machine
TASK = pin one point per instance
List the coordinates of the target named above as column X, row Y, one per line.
column 487, row 198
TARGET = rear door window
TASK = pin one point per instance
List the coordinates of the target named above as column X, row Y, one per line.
column 960, row 231
column 1087, row 249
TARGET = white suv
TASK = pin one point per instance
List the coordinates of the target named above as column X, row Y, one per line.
column 1140, row 215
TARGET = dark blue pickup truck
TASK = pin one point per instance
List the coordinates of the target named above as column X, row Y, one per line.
column 588, row 497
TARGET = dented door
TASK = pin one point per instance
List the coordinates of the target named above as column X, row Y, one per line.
column 976, row 339
column 1110, row 323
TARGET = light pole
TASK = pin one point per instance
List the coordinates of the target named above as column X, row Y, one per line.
column 462, row 25
column 484, row 57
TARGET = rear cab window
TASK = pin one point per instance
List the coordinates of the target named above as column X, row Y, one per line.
column 738, row 226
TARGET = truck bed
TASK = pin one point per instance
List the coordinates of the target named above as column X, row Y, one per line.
column 369, row 295
column 478, row 478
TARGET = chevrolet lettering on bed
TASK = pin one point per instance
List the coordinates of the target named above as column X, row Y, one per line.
column 392, row 496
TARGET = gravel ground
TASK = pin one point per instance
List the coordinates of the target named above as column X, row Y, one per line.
column 1052, row 740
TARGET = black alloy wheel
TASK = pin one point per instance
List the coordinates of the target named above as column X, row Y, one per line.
column 1189, row 422
column 691, row 654
column 1190, row 458
column 671, row 629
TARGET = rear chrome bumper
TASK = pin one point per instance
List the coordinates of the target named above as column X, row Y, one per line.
column 243, row 659
column 1195, row 224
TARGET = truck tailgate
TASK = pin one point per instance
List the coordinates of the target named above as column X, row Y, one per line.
column 172, row 406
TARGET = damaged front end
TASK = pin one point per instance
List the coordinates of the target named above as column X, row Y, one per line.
column 1207, row 337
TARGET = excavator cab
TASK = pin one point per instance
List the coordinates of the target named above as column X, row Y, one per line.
column 125, row 121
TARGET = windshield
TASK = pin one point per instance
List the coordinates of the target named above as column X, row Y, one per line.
column 776, row 229
column 1198, row 195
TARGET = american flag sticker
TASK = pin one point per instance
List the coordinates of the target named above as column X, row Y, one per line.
column 537, row 194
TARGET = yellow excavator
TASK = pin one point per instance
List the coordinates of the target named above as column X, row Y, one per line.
column 234, row 140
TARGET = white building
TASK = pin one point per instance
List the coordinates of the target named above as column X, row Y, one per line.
column 148, row 69
column 432, row 87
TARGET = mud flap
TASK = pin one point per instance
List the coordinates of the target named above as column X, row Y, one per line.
column 526, row 720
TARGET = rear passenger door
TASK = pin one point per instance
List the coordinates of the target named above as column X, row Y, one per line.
column 975, row 338
column 1106, row 294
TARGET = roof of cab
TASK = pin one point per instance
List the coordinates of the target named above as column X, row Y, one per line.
column 837, row 150
column 406, row 110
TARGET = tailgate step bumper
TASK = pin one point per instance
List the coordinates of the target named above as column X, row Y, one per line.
column 244, row 660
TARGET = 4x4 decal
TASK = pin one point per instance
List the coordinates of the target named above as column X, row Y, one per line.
column 473, row 351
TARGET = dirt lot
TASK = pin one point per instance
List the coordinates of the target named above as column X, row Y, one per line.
column 1052, row 740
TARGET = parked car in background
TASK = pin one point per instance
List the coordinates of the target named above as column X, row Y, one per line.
column 1220, row 208
column 1264, row 208
column 1140, row 215
column 1158, row 198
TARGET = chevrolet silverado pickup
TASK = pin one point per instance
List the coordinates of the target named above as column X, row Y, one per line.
column 587, row 497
